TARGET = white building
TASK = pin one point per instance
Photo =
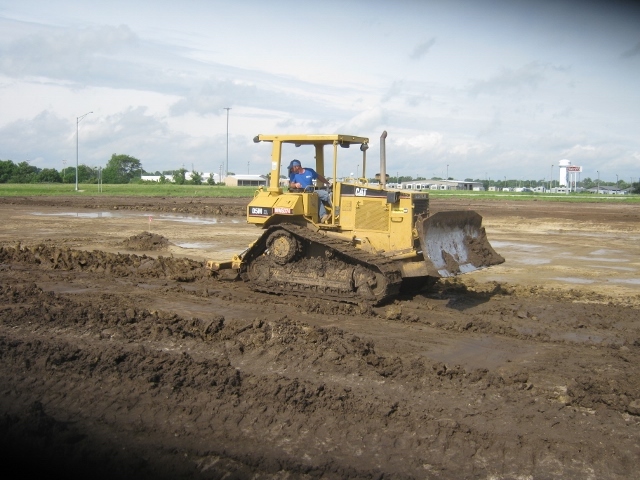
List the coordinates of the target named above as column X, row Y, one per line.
column 438, row 185
column 246, row 181
column 187, row 176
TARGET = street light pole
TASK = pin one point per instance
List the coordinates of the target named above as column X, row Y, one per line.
column 551, row 178
column 227, row 170
column 598, row 171
column 77, row 123
column 447, row 172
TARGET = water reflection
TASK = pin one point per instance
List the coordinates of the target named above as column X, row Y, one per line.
column 156, row 217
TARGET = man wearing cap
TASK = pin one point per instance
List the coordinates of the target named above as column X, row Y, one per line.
column 303, row 177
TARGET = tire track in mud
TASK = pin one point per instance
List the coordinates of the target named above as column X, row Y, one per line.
column 82, row 370
column 236, row 390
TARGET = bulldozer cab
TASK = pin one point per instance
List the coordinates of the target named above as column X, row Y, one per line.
column 319, row 152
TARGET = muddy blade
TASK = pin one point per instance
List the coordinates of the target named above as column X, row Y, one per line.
column 455, row 243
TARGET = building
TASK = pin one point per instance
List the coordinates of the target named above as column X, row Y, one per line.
column 608, row 190
column 187, row 176
column 246, row 181
column 438, row 185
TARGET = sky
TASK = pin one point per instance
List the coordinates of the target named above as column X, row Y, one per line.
column 484, row 89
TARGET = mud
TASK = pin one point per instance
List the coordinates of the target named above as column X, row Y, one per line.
column 122, row 360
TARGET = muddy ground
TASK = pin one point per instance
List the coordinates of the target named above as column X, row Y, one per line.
column 121, row 358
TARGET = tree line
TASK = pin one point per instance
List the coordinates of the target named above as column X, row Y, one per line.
column 119, row 169
column 128, row 169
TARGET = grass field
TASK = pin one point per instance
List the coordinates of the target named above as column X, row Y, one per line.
column 141, row 190
column 170, row 190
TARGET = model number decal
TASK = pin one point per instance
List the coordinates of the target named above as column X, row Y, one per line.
column 284, row 210
column 259, row 211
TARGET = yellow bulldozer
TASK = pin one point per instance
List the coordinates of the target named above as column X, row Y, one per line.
column 373, row 242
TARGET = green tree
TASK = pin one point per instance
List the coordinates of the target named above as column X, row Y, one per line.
column 7, row 169
column 196, row 178
column 24, row 173
column 121, row 169
column 86, row 174
column 69, row 175
column 210, row 180
column 178, row 176
column 49, row 175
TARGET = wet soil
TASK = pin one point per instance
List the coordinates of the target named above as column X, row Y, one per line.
column 119, row 359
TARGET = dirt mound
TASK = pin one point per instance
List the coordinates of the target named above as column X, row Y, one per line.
column 147, row 241
column 119, row 265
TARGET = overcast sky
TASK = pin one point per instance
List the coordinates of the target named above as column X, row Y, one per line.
column 480, row 89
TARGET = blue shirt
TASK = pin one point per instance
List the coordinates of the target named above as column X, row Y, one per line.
column 304, row 179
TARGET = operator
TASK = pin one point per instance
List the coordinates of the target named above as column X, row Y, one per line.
column 302, row 178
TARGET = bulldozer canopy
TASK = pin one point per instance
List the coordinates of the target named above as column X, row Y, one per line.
column 329, row 139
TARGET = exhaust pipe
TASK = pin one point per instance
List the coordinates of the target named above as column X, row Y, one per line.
column 383, row 160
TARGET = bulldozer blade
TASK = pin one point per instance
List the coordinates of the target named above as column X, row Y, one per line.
column 454, row 243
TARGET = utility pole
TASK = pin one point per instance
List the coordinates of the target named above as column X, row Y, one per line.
column 227, row 171
column 78, row 119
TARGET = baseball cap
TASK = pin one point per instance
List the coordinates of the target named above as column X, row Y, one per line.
column 295, row 163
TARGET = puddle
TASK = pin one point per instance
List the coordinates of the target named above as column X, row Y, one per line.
column 516, row 246
column 598, row 235
column 531, row 261
column 157, row 217
column 194, row 245
column 573, row 280
column 601, row 259
column 480, row 352
column 80, row 215
column 631, row 281
column 607, row 267
column 194, row 220
column 604, row 251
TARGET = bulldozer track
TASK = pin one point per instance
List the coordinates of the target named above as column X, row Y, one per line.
column 348, row 255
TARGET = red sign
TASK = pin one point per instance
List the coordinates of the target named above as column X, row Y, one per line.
column 574, row 168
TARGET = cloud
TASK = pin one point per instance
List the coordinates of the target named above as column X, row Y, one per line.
column 70, row 54
column 212, row 97
column 369, row 120
column 35, row 138
column 632, row 52
column 421, row 143
column 421, row 50
column 509, row 80
column 580, row 152
column 396, row 89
